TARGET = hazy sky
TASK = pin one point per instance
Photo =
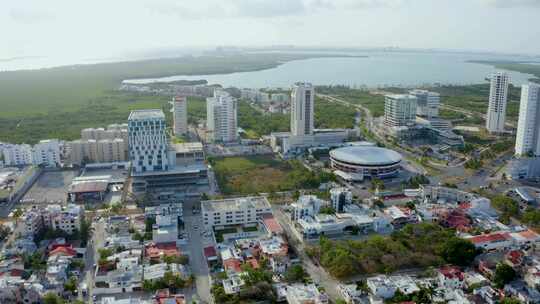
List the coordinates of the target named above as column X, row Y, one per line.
column 100, row 28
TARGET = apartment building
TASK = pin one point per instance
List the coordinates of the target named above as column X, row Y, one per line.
column 498, row 95
column 427, row 103
column 45, row 153
column 399, row 110
column 302, row 109
column 179, row 110
column 234, row 211
column 66, row 218
column 97, row 151
column 528, row 130
column 221, row 118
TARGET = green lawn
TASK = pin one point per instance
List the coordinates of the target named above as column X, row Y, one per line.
column 375, row 103
column 262, row 174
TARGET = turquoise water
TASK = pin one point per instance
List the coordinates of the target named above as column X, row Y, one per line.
column 379, row 69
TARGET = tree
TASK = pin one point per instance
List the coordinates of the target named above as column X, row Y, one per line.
column 327, row 210
column 4, row 232
column 377, row 184
column 252, row 276
column 295, row 273
column 52, row 298
column 503, row 274
column 510, row 301
column 71, row 285
column 86, row 232
column 458, row 251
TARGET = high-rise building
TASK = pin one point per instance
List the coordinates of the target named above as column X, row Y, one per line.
column 180, row 115
column 528, row 130
column 148, row 141
column 399, row 110
column 498, row 94
column 427, row 103
column 221, row 117
column 340, row 197
column 302, row 109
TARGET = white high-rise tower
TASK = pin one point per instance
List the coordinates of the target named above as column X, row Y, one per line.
column 528, row 130
column 427, row 103
column 221, row 117
column 498, row 94
column 180, row 115
column 148, row 141
column 302, row 109
column 399, row 110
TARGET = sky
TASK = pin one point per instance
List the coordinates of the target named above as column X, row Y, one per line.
column 111, row 28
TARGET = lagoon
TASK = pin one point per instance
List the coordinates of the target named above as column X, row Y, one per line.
column 378, row 69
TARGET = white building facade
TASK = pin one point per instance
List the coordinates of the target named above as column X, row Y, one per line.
column 427, row 104
column 399, row 110
column 302, row 109
column 221, row 118
column 235, row 211
column 498, row 95
column 528, row 130
column 45, row 153
column 148, row 141
column 180, row 115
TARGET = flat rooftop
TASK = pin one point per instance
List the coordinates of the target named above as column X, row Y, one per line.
column 146, row 114
column 232, row 204
column 188, row 147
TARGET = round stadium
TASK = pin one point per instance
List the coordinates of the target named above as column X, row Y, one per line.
column 360, row 162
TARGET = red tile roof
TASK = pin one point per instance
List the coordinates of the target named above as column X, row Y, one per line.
column 451, row 272
column 158, row 250
column 489, row 238
column 232, row 264
column 515, row 257
column 254, row 263
column 271, row 224
column 210, row 252
column 529, row 235
column 63, row 250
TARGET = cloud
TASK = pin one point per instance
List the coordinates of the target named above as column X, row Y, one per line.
column 262, row 8
column 24, row 15
column 513, row 3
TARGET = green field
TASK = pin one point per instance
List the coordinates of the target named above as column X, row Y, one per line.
column 374, row 103
column 470, row 97
column 58, row 102
column 256, row 174
column 475, row 98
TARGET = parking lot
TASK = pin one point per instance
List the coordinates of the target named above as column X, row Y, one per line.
column 51, row 186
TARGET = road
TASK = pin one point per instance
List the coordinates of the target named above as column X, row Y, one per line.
column 195, row 247
column 97, row 241
column 317, row 273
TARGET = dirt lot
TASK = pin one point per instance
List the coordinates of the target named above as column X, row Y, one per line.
column 50, row 187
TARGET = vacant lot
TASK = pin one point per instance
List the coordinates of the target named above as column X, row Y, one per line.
column 256, row 174
column 50, row 187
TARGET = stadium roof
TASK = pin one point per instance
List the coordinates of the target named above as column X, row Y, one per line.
column 366, row 155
